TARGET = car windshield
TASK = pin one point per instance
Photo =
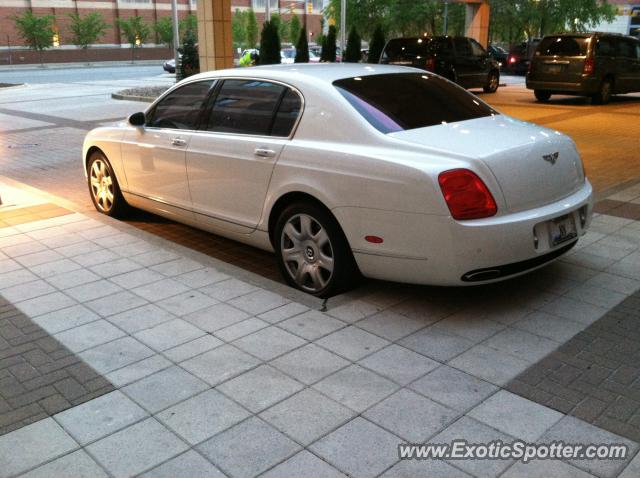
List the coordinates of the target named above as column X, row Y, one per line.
column 288, row 53
column 563, row 46
column 402, row 101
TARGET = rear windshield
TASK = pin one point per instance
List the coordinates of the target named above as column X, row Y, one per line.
column 563, row 46
column 401, row 101
column 408, row 49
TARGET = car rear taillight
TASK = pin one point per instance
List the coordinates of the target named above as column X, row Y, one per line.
column 430, row 64
column 466, row 195
column 589, row 65
column 512, row 60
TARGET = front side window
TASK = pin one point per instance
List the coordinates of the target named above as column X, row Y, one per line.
column 181, row 108
column 402, row 101
column 477, row 48
column 463, row 47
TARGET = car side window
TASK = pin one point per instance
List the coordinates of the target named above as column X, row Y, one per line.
column 463, row 47
column 245, row 107
column 626, row 49
column 477, row 49
column 605, row 47
column 287, row 114
column 181, row 108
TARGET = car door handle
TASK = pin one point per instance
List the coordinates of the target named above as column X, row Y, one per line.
column 178, row 141
column 264, row 152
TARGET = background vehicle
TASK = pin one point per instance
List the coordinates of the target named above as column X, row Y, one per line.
column 459, row 59
column 520, row 57
column 169, row 66
column 498, row 53
column 589, row 64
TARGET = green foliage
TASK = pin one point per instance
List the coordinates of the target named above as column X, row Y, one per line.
column 164, row 29
column 302, row 47
column 190, row 64
column 36, row 31
column 135, row 31
column 188, row 24
column 239, row 29
column 86, row 30
column 294, row 28
column 376, row 44
column 269, row 44
column 252, row 29
column 329, row 46
column 281, row 25
column 353, row 54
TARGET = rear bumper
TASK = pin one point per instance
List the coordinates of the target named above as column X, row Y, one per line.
column 448, row 252
column 586, row 86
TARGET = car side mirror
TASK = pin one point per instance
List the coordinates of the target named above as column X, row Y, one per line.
column 137, row 119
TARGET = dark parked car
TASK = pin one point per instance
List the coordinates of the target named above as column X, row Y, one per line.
column 520, row 57
column 498, row 53
column 459, row 59
column 588, row 64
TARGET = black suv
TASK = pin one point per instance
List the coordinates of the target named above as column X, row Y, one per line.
column 588, row 64
column 459, row 59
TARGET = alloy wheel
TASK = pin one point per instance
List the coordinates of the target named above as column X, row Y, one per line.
column 101, row 185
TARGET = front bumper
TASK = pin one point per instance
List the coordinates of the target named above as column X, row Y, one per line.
column 439, row 250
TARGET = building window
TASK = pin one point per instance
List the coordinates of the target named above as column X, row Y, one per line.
column 261, row 5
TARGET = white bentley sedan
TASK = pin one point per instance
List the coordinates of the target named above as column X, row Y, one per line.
column 390, row 172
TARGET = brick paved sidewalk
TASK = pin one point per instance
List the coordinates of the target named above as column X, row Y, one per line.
column 220, row 373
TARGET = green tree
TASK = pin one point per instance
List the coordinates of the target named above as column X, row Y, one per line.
column 135, row 31
column 36, row 31
column 302, row 47
column 86, row 31
column 188, row 24
column 190, row 64
column 252, row 29
column 362, row 14
column 328, row 52
column 376, row 45
column 269, row 44
column 354, row 44
column 281, row 25
column 294, row 28
column 239, row 29
column 164, row 29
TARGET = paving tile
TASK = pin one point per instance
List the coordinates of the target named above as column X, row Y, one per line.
column 115, row 354
column 303, row 464
column 269, row 343
column 615, row 283
column 136, row 448
column 160, row 290
column 10, row 278
column 632, row 470
column 377, row 449
column 353, row 311
column 220, row 364
column 546, row 325
column 115, row 268
column 260, row 388
column 453, row 388
column 177, row 267
column 311, row 325
column 356, row 387
column 75, row 465
column 44, row 304
column 100, row 417
column 27, row 291
column 186, row 303
column 352, row 343
column 140, row 318
column 136, row 278
column 437, row 343
column 572, row 430
column 522, row 344
column 248, row 448
column 32, row 445
column 467, row 324
column 310, row 363
column 64, row 319
column 37, row 258
column 137, row 370
column 597, row 296
column 187, row 465
column 575, row 310
column 228, row 289
column 163, row 389
column 545, row 469
column 134, row 248
column 73, row 278
column 525, row 419
column 154, row 257
column 202, row 416
column 241, row 329
column 101, row 256
column 284, row 312
column 399, row 364
column 258, row 302
column 426, row 468
column 216, row 317
column 89, row 335
column 391, row 326
column 192, row 348
column 93, row 290
column 116, row 303
column 201, row 277
column 489, row 364
column 169, row 334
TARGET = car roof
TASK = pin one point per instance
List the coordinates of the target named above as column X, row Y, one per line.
column 306, row 72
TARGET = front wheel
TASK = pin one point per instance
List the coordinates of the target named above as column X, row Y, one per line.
column 493, row 81
column 103, row 186
column 542, row 95
column 313, row 253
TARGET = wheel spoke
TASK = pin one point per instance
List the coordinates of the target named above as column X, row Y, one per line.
column 301, row 271
column 316, row 278
column 326, row 262
column 95, row 170
column 291, row 232
column 305, row 226
column 321, row 238
column 293, row 255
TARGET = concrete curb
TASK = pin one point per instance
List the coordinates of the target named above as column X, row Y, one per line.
column 13, row 87
column 143, row 99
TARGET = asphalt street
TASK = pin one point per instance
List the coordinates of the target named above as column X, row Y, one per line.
column 53, row 74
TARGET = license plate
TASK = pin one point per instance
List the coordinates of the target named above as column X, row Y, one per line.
column 554, row 69
column 562, row 229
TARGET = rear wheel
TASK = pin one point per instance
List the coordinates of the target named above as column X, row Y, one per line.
column 313, row 253
column 103, row 186
column 493, row 81
column 603, row 96
column 542, row 95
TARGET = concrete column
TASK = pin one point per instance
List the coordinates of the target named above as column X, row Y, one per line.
column 215, row 44
column 476, row 23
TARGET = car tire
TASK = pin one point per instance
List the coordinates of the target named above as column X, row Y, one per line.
column 542, row 95
column 493, row 81
column 103, row 186
column 603, row 96
column 312, row 251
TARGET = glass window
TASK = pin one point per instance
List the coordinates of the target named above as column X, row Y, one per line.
column 626, row 48
column 563, row 46
column 463, row 47
column 287, row 114
column 405, row 49
column 477, row 48
column 442, row 46
column 245, row 107
column 181, row 108
column 605, row 47
column 402, row 101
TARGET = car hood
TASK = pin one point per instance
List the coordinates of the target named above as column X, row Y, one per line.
column 533, row 165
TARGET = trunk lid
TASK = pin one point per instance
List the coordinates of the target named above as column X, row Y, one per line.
column 521, row 156
column 560, row 59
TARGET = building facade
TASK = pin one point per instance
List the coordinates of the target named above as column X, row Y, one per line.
column 627, row 20
column 111, row 46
